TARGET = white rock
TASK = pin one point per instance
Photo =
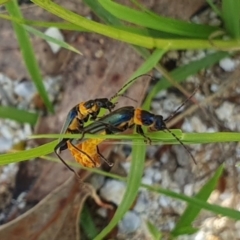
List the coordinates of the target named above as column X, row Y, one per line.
column 6, row 132
column 227, row 64
column 200, row 235
column 147, row 181
column 214, row 87
column 126, row 166
column 27, row 129
column 130, row 223
column 141, row 204
column 97, row 181
column 5, row 144
column 188, row 189
column 149, row 172
column 25, row 89
column 102, row 212
column 215, row 22
column 157, row 176
column 225, row 111
column 198, row 125
column 164, row 201
column 113, row 191
column 54, row 33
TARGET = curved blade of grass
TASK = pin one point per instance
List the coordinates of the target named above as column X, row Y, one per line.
column 190, row 200
column 4, row 1
column 188, row 138
column 154, row 21
column 18, row 115
column 184, row 224
column 132, row 38
column 214, row 7
column 231, row 17
column 180, row 74
column 28, row 53
column 147, row 66
column 133, row 184
column 228, row 212
column 60, row 25
column 87, row 223
column 27, row 154
column 51, row 39
column 156, row 234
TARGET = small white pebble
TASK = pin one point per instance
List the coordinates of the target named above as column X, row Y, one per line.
column 214, row 87
column 147, row 181
column 215, row 22
column 130, row 222
column 188, row 189
column 22, row 205
column 102, row 212
column 141, row 204
column 157, row 176
column 113, row 191
column 164, row 201
column 227, row 64
column 225, row 111
column 54, row 33
column 149, row 172
column 5, row 144
column 200, row 236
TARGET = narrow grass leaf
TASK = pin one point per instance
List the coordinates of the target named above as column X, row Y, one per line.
column 132, row 38
column 156, row 234
column 188, row 138
column 231, row 17
column 228, row 212
column 154, row 21
column 180, row 74
column 18, row 115
column 214, row 7
column 133, row 184
column 51, row 39
column 184, row 224
column 4, row 1
column 60, row 25
column 28, row 53
column 27, row 154
column 147, row 66
column 87, row 223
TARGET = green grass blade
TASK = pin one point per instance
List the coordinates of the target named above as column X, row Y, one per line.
column 4, row 1
column 228, row 212
column 27, row 154
column 133, row 184
column 147, row 66
column 18, row 115
column 231, row 17
column 181, row 73
column 156, row 235
column 154, row 21
column 87, row 223
column 28, row 53
column 60, row 25
column 51, row 39
column 214, row 7
column 184, row 224
column 157, row 137
column 102, row 12
column 132, row 38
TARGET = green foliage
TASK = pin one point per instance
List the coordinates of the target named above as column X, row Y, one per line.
column 151, row 31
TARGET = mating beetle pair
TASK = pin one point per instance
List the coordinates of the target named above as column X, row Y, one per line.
column 86, row 152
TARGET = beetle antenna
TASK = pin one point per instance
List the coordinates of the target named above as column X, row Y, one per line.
column 127, row 84
column 178, row 139
column 176, row 111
